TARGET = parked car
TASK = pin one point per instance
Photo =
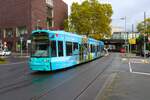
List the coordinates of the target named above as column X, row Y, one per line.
column 122, row 50
column 5, row 52
column 146, row 52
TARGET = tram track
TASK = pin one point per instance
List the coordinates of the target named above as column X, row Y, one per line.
column 18, row 84
column 28, row 80
column 47, row 91
column 99, row 74
column 15, row 74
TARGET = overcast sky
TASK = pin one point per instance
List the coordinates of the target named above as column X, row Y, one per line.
column 132, row 9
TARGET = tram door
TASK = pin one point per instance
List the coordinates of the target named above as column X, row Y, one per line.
column 83, row 52
column 83, row 49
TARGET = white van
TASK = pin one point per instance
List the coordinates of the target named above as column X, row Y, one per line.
column 5, row 52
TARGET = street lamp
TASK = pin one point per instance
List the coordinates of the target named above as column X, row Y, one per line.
column 144, row 33
column 126, row 37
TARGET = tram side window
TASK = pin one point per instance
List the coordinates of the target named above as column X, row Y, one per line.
column 60, row 48
column 92, row 48
column 75, row 48
column 69, row 48
column 53, row 49
column 98, row 49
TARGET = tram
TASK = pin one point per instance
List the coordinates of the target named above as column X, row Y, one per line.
column 53, row 50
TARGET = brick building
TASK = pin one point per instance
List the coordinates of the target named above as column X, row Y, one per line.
column 19, row 17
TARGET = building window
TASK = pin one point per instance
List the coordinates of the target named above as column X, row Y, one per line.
column 49, row 11
column 53, row 49
column 9, row 32
column 49, row 22
column 49, row 2
column 21, row 31
column 69, row 48
column 60, row 48
column 1, row 34
column 75, row 49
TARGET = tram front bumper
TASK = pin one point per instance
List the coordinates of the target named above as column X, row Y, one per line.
column 36, row 67
column 39, row 64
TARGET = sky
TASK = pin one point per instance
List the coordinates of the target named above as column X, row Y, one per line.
column 132, row 9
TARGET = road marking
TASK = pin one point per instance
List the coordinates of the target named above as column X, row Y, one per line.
column 141, row 73
column 14, row 63
column 124, row 59
column 106, row 85
column 145, row 61
column 130, row 67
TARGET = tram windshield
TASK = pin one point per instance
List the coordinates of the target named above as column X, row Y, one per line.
column 40, row 45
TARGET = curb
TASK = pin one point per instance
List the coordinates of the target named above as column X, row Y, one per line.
column 21, row 56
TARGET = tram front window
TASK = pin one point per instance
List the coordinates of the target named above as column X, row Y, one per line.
column 40, row 45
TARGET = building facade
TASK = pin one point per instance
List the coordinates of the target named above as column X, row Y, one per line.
column 19, row 17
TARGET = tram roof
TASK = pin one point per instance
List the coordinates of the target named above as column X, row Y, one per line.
column 65, row 33
column 101, row 43
column 58, row 32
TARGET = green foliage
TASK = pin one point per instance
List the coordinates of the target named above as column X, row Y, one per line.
column 144, row 26
column 90, row 18
column 2, row 61
column 140, row 42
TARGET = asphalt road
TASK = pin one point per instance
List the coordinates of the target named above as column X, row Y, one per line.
column 82, row 82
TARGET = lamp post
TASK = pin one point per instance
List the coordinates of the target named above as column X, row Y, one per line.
column 126, row 34
column 132, row 37
column 144, row 33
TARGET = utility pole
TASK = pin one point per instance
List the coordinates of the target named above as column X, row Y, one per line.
column 126, row 35
column 132, row 38
column 144, row 34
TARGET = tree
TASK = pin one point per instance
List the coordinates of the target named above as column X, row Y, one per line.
column 144, row 26
column 90, row 18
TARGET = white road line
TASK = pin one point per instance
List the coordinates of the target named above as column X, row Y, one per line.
column 130, row 67
column 13, row 63
column 141, row 73
column 131, row 71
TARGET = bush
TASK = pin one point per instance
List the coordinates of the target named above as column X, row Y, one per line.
column 2, row 60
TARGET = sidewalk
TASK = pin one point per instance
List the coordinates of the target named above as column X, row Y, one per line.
column 127, row 85
column 129, row 55
column 18, row 55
